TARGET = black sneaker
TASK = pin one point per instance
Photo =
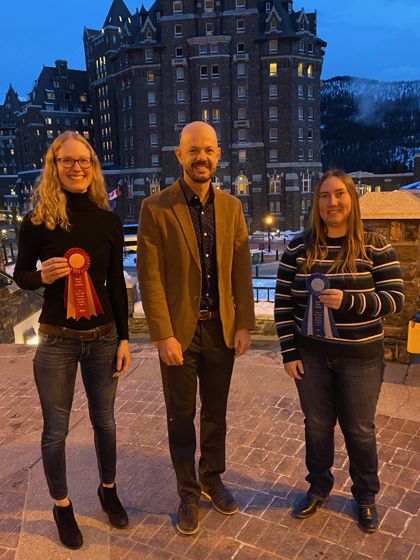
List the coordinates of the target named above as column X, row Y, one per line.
column 112, row 506
column 221, row 498
column 368, row 518
column 68, row 530
column 187, row 517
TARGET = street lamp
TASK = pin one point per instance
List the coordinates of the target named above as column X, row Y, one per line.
column 268, row 222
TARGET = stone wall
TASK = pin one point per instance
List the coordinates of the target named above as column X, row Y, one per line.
column 404, row 237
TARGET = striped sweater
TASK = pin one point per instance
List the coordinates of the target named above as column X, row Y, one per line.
column 374, row 290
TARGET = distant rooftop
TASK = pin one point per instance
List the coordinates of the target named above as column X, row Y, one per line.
column 394, row 205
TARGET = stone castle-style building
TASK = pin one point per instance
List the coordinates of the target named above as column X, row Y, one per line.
column 251, row 68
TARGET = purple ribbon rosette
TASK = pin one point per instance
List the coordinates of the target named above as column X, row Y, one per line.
column 318, row 319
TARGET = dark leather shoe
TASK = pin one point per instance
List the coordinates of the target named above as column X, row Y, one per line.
column 368, row 518
column 68, row 530
column 308, row 506
column 112, row 506
column 187, row 517
column 221, row 498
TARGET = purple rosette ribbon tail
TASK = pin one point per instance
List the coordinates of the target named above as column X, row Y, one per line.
column 318, row 319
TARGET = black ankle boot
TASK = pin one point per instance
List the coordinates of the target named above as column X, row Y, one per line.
column 68, row 529
column 112, row 506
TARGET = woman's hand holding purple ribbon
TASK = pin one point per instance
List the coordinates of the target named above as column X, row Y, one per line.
column 54, row 269
column 331, row 298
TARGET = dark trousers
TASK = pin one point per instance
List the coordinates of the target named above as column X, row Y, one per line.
column 209, row 360
column 55, row 367
column 346, row 389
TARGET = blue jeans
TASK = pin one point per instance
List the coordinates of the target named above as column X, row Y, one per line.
column 55, row 367
column 346, row 389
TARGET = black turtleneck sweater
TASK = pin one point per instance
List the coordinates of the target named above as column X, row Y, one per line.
column 99, row 233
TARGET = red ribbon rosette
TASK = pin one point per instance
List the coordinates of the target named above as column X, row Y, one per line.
column 80, row 297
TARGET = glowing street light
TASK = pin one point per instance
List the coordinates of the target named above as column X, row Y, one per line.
column 268, row 220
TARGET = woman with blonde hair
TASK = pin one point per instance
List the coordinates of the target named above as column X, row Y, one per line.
column 334, row 282
column 84, row 318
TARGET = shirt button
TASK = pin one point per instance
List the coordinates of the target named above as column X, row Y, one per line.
column 207, row 294
column 202, row 213
column 208, row 275
column 207, row 255
column 205, row 234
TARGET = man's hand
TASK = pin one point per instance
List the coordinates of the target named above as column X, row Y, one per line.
column 331, row 298
column 294, row 369
column 241, row 342
column 170, row 351
column 54, row 269
column 123, row 358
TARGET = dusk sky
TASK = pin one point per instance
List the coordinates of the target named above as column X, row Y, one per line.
column 376, row 39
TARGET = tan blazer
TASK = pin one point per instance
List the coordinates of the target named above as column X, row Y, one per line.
column 169, row 268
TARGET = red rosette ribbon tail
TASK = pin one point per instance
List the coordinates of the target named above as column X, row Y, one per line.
column 80, row 297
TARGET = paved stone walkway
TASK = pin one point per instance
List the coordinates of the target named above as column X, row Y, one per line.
column 265, row 470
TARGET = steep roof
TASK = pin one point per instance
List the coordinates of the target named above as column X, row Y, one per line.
column 394, row 205
column 118, row 13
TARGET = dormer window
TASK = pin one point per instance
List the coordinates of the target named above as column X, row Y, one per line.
column 240, row 25
column 208, row 5
column 209, row 28
column 267, row 7
column 149, row 34
column 273, row 24
column 177, row 7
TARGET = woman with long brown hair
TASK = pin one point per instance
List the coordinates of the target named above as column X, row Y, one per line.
column 335, row 281
column 84, row 318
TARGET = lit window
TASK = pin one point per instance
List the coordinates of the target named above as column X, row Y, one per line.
column 178, row 30
column 204, row 72
column 150, row 77
column 241, row 183
column 50, row 133
column 242, row 156
column 240, row 25
column 86, row 134
column 241, row 92
column 300, row 69
column 306, row 183
column 50, row 95
column 204, row 94
column 272, row 46
column 272, row 113
column 273, row 69
column 273, row 24
column 205, row 115
column 209, row 28
column 273, row 134
column 177, row 7
column 241, row 70
column 48, row 120
column 216, row 115
column 310, row 70
column 83, row 98
column 275, row 184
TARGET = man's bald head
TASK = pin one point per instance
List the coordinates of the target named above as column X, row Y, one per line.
column 198, row 152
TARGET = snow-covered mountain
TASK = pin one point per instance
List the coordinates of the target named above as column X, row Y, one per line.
column 370, row 125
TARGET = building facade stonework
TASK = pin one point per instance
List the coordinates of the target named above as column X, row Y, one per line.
column 250, row 68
